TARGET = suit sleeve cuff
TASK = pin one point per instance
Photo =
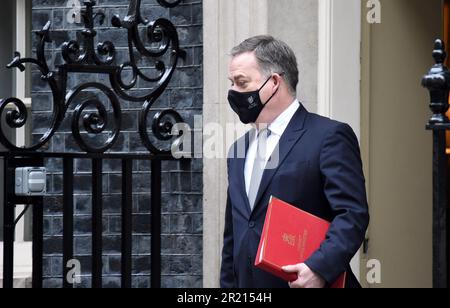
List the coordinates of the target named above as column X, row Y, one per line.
column 319, row 265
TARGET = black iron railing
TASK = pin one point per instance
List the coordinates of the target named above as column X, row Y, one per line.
column 437, row 81
column 91, row 117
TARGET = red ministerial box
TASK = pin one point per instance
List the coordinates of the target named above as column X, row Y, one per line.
column 290, row 236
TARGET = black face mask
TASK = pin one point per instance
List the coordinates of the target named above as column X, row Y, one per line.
column 248, row 105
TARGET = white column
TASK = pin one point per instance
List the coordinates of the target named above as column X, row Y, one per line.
column 339, row 61
column 226, row 24
column 339, row 73
column 20, row 91
column 296, row 23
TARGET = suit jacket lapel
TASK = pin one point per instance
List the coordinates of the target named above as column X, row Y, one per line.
column 294, row 132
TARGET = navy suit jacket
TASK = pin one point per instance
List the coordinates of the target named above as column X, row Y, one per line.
column 320, row 171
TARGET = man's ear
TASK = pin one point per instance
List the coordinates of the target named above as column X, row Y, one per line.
column 277, row 81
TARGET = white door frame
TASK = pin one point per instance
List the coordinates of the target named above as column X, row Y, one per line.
column 339, row 75
column 22, row 250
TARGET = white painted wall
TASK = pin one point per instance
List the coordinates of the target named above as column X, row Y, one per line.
column 398, row 149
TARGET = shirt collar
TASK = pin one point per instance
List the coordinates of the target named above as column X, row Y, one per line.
column 279, row 125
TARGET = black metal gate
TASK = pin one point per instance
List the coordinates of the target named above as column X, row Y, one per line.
column 93, row 117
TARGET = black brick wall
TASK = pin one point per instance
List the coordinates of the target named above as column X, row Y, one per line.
column 181, row 182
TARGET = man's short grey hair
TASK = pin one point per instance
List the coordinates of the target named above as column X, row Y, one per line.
column 273, row 56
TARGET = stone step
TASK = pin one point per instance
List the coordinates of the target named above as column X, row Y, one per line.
column 20, row 283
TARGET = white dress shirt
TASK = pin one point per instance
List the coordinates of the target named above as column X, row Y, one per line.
column 276, row 128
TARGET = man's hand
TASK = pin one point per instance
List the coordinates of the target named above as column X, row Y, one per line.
column 307, row 279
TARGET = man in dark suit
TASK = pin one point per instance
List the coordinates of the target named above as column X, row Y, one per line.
column 304, row 159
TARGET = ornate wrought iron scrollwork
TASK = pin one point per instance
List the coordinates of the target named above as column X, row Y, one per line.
column 160, row 32
column 166, row 3
column 21, row 113
column 94, row 122
column 72, row 52
column 84, row 57
column 163, row 122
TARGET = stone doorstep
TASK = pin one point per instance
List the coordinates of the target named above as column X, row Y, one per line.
column 24, row 282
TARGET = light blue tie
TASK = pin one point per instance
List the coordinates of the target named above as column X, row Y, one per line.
column 258, row 166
